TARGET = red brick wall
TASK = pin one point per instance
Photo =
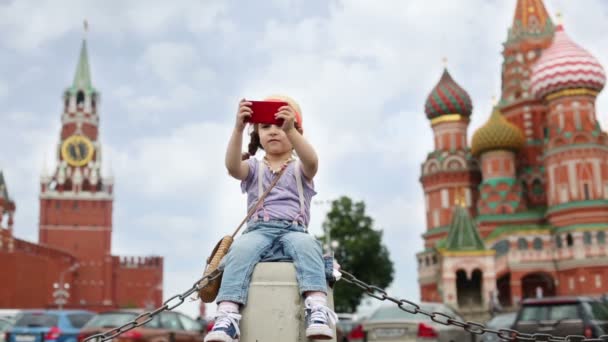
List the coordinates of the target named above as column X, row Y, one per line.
column 28, row 274
column 137, row 281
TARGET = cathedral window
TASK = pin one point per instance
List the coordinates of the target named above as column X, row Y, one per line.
column 522, row 244
column 598, row 280
column 586, row 191
column 436, row 218
column 558, row 241
column 537, row 187
column 538, row 244
column 80, row 98
column 569, row 240
column 587, row 238
column 445, row 198
column 563, row 193
column 601, row 237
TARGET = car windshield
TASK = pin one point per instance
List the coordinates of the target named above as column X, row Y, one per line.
column 115, row 319
column 502, row 321
column 4, row 325
column 37, row 319
column 110, row 319
column 597, row 310
column 78, row 320
column 554, row 312
column 394, row 312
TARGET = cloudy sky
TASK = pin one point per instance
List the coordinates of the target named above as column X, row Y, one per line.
column 170, row 76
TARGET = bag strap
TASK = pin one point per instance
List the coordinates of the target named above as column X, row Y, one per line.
column 298, row 175
column 261, row 199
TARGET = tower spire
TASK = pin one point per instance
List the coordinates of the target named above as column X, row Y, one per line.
column 531, row 19
column 3, row 189
column 82, row 79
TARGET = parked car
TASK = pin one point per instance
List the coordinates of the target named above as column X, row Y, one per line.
column 5, row 324
column 346, row 323
column 168, row 326
column 562, row 316
column 500, row 321
column 389, row 323
column 48, row 325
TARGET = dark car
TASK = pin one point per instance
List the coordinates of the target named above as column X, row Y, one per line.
column 48, row 325
column 563, row 316
column 168, row 326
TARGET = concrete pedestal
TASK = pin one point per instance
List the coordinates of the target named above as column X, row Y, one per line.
column 275, row 309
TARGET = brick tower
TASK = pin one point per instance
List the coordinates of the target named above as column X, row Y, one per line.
column 75, row 200
column 448, row 172
column 568, row 79
column 531, row 32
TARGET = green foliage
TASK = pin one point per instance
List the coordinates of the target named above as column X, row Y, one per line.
column 360, row 251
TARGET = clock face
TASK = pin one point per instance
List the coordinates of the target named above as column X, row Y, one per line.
column 77, row 150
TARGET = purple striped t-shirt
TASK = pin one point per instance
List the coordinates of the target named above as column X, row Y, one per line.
column 283, row 202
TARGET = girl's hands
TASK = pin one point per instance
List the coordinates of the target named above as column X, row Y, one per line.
column 243, row 113
column 288, row 115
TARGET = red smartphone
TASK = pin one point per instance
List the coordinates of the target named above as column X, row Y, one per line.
column 263, row 112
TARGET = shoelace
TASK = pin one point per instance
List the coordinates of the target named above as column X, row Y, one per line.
column 223, row 319
column 323, row 313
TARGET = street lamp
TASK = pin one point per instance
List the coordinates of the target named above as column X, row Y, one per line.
column 61, row 293
column 326, row 231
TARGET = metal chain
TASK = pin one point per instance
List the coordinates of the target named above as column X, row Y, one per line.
column 371, row 290
column 471, row 327
column 146, row 317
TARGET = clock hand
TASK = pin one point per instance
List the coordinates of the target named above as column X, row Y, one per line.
column 77, row 151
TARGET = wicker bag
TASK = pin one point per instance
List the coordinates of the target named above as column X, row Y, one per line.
column 210, row 287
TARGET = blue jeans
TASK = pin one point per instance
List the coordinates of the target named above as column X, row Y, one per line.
column 272, row 240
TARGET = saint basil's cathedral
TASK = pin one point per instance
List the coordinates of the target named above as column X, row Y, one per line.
column 523, row 211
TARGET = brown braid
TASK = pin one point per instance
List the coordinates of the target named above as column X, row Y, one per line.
column 254, row 144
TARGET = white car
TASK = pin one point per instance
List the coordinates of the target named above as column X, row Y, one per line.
column 389, row 323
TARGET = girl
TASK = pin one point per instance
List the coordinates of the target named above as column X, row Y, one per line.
column 280, row 222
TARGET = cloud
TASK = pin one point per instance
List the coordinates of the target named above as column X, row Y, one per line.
column 47, row 21
column 3, row 90
column 186, row 161
column 168, row 60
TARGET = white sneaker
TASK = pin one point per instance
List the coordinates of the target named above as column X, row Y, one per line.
column 318, row 321
column 225, row 328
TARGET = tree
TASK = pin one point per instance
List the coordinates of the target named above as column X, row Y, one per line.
column 360, row 251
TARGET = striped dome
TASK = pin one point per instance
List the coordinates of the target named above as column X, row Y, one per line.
column 497, row 134
column 447, row 98
column 565, row 65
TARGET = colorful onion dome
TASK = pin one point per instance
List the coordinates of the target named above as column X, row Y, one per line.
column 497, row 134
column 447, row 98
column 566, row 65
